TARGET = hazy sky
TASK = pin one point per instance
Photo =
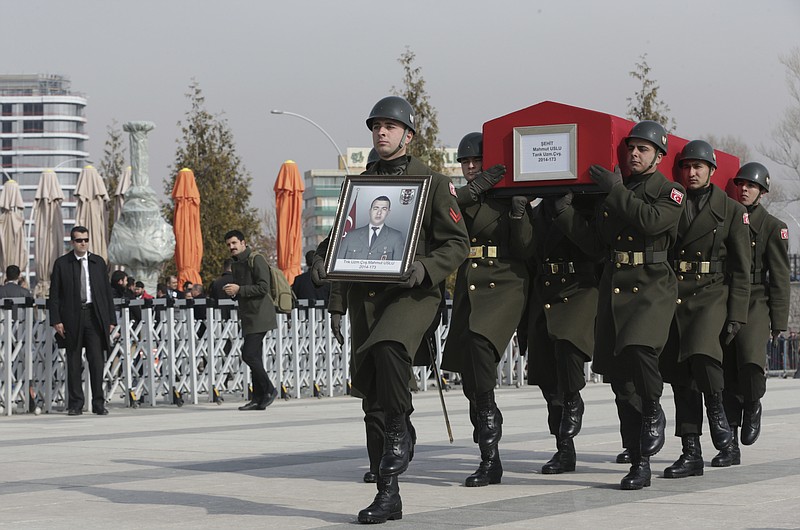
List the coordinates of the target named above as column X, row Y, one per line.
column 717, row 63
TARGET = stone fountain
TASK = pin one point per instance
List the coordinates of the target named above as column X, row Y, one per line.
column 141, row 238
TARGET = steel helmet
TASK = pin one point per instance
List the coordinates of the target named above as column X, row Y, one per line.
column 651, row 131
column 754, row 172
column 395, row 108
column 470, row 146
column 699, row 150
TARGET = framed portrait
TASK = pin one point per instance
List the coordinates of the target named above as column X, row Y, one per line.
column 375, row 233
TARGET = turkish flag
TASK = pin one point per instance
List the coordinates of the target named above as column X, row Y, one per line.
column 350, row 222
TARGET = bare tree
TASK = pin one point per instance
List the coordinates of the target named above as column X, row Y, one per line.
column 730, row 144
column 645, row 105
column 786, row 135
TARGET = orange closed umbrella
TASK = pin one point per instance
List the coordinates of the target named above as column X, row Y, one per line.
column 188, row 236
column 289, row 209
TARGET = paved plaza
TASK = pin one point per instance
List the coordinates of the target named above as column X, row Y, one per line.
column 299, row 465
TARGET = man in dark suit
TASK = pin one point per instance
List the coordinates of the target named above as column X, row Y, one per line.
column 82, row 313
column 375, row 241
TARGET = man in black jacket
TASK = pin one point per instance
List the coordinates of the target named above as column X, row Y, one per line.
column 82, row 313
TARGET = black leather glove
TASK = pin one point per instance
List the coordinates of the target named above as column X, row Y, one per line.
column 414, row 276
column 485, row 180
column 561, row 204
column 604, row 178
column 731, row 329
column 336, row 328
column 318, row 270
column 518, row 204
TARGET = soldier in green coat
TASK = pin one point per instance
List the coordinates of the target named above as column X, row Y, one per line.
column 489, row 299
column 561, row 315
column 635, row 226
column 388, row 320
column 712, row 261
column 768, row 313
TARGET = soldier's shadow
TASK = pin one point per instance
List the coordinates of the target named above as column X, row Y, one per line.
column 521, row 468
column 212, row 504
column 432, row 466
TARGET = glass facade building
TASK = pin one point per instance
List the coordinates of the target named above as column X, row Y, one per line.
column 42, row 126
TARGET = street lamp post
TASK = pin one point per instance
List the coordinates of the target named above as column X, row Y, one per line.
column 318, row 126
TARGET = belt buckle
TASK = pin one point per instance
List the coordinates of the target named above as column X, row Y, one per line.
column 553, row 268
column 475, row 252
column 491, row 252
column 685, row 266
column 622, row 257
column 705, row 267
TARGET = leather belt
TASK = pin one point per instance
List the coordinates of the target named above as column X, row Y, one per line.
column 629, row 257
column 566, row 267
column 86, row 306
column 698, row 267
column 757, row 278
column 482, row 251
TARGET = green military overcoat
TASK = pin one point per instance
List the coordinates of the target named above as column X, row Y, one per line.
column 636, row 302
column 769, row 294
column 490, row 292
column 387, row 312
column 562, row 304
column 706, row 301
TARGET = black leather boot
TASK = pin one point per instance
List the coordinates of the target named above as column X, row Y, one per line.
column 473, row 418
column 387, row 505
column 375, row 439
column 490, row 470
column 717, row 421
column 639, row 475
column 396, row 447
column 571, row 417
column 564, row 459
column 729, row 456
column 751, row 423
column 623, row 458
column 652, row 433
column 413, row 433
column 490, row 420
column 690, row 463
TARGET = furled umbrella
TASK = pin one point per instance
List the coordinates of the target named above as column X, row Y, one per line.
column 186, row 223
column 123, row 185
column 289, row 209
column 92, row 198
column 49, row 224
column 13, row 250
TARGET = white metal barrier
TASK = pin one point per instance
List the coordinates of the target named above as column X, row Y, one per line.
column 187, row 351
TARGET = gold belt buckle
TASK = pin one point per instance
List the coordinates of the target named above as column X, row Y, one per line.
column 685, row 266
column 705, row 267
column 622, row 257
column 475, row 252
column 553, row 268
column 491, row 252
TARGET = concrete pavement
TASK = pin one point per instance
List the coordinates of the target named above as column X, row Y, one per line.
column 299, row 465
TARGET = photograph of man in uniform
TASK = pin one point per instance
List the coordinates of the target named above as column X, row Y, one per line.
column 376, row 240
